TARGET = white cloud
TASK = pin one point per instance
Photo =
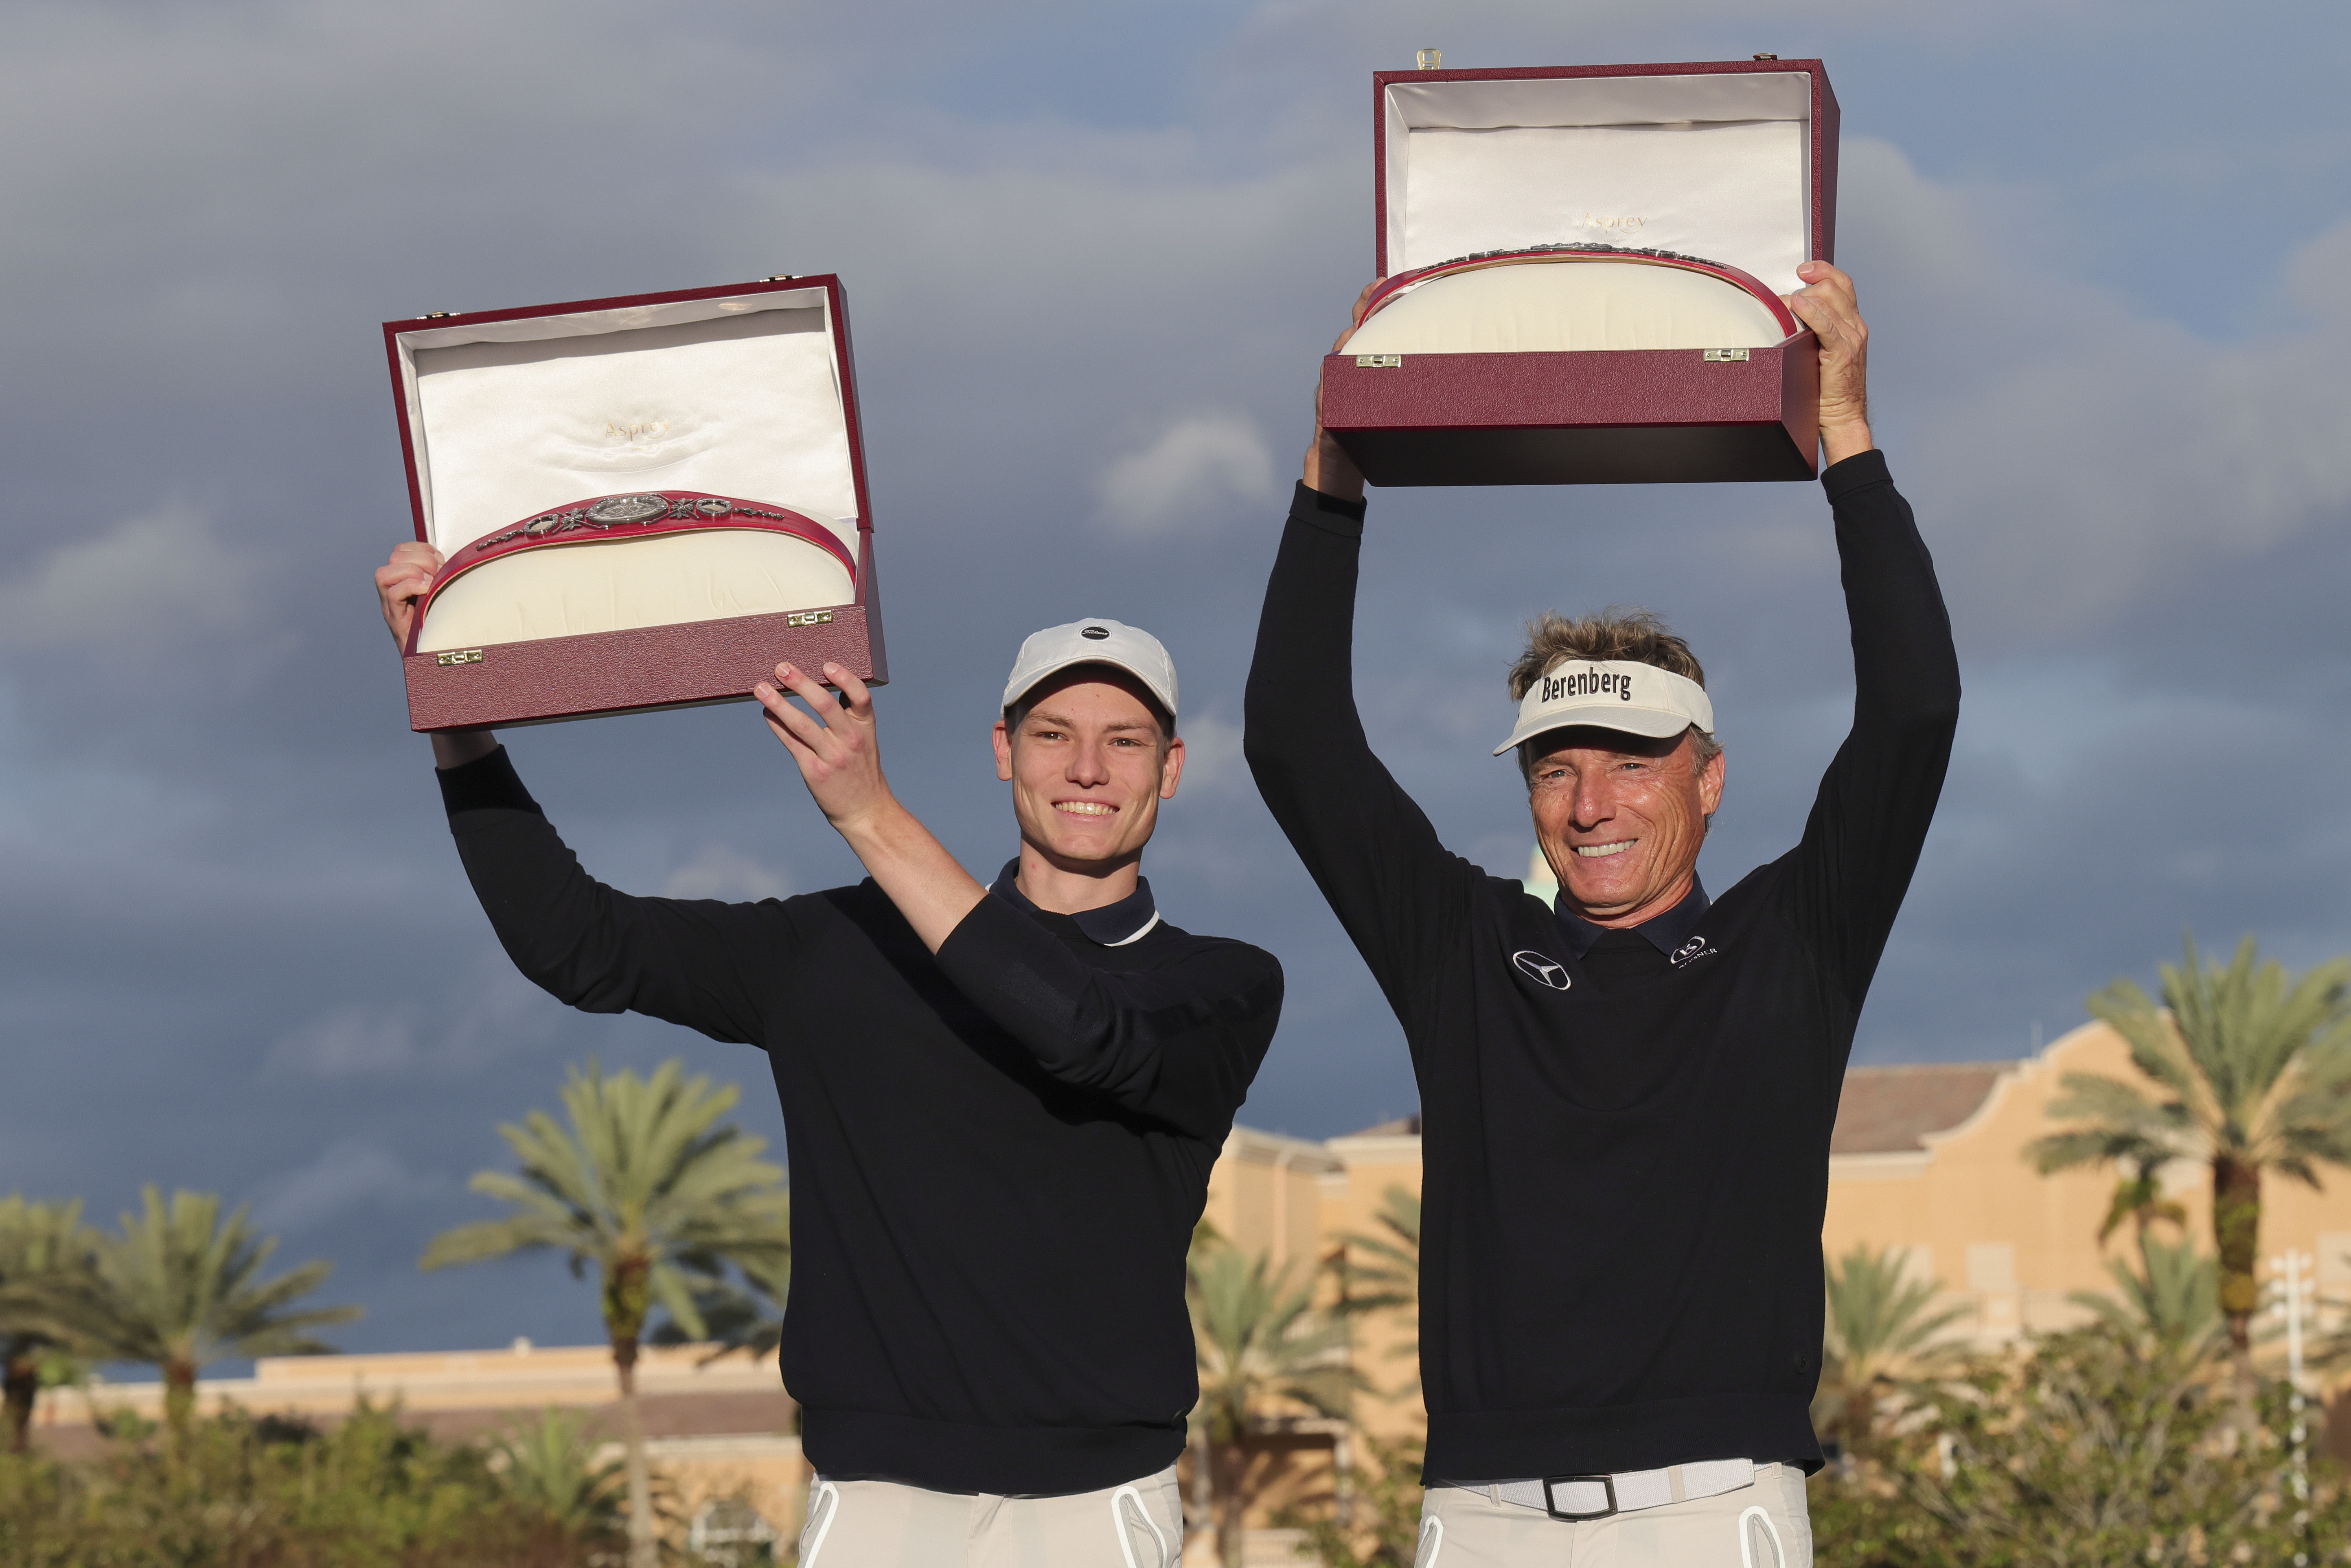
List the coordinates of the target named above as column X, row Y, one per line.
column 347, row 1043
column 487, row 1016
column 718, row 872
column 348, row 1174
column 148, row 582
column 1203, row 462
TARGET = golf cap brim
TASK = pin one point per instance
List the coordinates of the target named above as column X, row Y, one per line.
column 1099, row 641
column 1616, row 693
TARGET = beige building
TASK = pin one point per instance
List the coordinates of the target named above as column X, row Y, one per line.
column 1930, row 1159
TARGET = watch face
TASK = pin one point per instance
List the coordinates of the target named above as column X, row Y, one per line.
column 629, row 509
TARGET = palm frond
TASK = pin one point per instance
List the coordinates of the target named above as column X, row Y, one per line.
column 640, row 1175
column 1259, row 1339
column 183, row 1283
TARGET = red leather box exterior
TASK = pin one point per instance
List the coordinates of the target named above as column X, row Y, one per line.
column 688, row 664
column 1633, row 416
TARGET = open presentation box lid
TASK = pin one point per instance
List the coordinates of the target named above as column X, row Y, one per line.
column 637, row 496
column 1731, row 161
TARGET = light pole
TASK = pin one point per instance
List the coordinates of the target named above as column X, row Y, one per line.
column 2294, row 1284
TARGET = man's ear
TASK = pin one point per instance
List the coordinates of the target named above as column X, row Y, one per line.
column 1002, row 737
column 1710, row 784
column 1171, row 768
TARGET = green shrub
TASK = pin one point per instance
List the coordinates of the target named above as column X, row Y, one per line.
column 2089, row 1449
column 367, row 1492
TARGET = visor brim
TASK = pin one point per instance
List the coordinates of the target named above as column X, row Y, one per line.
column 1650, row 723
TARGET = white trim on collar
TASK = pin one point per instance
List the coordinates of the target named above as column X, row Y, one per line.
column 1139, row 934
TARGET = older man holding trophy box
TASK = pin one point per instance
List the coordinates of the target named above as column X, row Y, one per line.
column 1627, row 1094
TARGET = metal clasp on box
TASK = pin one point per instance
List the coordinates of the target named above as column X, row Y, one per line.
column 1379, row 361
column 459, row 657
column 809, row 618
column 1725, row 356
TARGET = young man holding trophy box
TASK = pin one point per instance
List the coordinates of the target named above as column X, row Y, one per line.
column 1003, row 1100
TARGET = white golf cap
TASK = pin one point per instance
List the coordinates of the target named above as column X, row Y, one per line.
column 1615, row 693
column 1099, row 641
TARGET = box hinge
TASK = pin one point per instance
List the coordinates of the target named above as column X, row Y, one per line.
column 1428, row 60
column 809, row 618
column 1379, row 361
column 459, row 657
column 1725, row 356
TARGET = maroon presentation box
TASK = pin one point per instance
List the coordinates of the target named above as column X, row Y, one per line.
column 1732, row 160
column 511, row 417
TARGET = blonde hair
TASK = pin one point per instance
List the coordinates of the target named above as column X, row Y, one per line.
column 1618, row 633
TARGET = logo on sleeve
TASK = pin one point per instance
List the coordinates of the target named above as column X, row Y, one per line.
column 1696, row 947
column 1542, row 971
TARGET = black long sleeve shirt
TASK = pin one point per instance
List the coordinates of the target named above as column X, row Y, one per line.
column 1625, row 1177
column 998, row 1154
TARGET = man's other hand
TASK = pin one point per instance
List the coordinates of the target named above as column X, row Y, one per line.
column 399, row 582
column 1328, row 468
column 1826, row 305
column 834, row 743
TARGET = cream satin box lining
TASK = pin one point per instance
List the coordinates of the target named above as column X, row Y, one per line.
column 1716, row 166
column 736, row 395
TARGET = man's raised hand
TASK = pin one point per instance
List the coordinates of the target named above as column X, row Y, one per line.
column 1826, row 305
column 399, row 582
column 838, row 755
column 1328, row 468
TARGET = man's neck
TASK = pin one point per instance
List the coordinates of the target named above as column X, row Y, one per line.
column 1060, row 889
column 1640, row 916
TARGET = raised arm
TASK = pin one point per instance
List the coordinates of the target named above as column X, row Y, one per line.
column 1368, row 846
column 587, row 945
column 1870, row 819
column 685, row 960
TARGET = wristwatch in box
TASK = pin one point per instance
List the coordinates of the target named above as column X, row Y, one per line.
column 1580, row 275
column 642, row 502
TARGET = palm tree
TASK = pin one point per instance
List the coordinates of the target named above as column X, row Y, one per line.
column 1260, row 1339
column 1391, row 1276
column 748, row 1318
column 45, row 1260
column 1877, row 1321
column 2173, row 1299
column 549, row 1466
column 2250, row 1071
column 648, row 1188
column 180, row 1288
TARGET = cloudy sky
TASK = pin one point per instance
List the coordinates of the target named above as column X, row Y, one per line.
column 1092, row 252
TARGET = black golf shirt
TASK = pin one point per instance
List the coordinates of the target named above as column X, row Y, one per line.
column 997, row 1153
column 1626, row 1132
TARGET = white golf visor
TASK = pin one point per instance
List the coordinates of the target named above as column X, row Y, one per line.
column 1619, row 694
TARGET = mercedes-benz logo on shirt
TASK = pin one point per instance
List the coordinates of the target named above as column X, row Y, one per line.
column 1542, row 971
column 1696, row 947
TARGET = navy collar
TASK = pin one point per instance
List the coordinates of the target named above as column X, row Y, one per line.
column 1112, row 925
column 1664, row 932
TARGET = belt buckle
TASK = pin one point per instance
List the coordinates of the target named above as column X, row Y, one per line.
column 1607, row 1485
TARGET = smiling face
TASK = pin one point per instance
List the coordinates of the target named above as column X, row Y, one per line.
column 1088, row 764
column 1621, row 818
